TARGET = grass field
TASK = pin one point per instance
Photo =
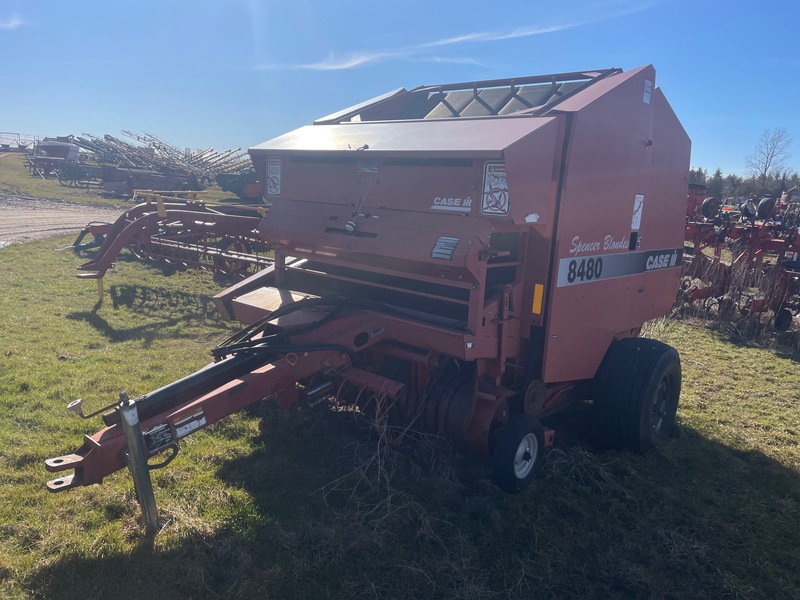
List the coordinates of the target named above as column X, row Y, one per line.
column 272, row 505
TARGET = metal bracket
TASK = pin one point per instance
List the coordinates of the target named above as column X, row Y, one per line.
column 76, row 406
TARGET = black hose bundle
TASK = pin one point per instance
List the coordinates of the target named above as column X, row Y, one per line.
column 279, row 342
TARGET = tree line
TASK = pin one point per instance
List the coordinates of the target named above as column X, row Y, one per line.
column 767, row 171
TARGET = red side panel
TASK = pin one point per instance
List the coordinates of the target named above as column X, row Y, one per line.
column 531, row 180
column 626, row 177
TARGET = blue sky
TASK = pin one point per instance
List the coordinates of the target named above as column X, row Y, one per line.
column 234, row 73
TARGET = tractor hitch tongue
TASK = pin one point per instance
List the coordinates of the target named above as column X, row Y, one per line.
column 467, row 259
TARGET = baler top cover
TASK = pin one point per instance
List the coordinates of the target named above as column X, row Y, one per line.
column 378, row 132
column 452, row 148
column 496, row 97
column 429, row 147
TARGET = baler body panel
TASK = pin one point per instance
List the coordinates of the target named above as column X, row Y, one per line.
column 621, row 203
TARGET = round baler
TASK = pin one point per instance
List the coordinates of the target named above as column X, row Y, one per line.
column 462, row 259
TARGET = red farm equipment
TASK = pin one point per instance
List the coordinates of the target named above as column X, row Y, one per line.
column 178, row 229
column 747, row 259
column 472, row 257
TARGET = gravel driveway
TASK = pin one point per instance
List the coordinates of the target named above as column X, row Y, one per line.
column 23, row 219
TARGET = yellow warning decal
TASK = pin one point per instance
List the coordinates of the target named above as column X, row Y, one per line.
column 538, row 297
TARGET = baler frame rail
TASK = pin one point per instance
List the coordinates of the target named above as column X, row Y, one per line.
column 589, row 76
column 270, row 366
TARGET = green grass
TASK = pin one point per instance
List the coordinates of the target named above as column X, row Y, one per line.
column 14, row 178
column 272, row 505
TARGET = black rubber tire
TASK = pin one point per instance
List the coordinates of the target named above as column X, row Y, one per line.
column 710, row 207
column 637, row 388
column 783, row 319
column 749, row 211
column 766, row 207
column 518, row 436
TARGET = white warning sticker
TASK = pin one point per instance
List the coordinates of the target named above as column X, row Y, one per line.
column 274, row 176
column 186, row 424
column 495, row 200
column 648, row 91
column 636, row 217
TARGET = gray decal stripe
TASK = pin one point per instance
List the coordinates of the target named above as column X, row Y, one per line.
column 586, row 269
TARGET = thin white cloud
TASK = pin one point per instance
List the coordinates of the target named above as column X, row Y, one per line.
column 12, row 22
column 419, row 52
column 502, row 35
column 349, row 61
column 362, row 59
column 523, row 32
column 453, row 60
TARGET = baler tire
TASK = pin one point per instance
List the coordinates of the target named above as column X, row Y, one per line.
column 518, row 454
column 636, row 395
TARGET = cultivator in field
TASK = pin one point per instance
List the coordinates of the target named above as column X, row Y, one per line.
column 745, row 259
column 178, row 229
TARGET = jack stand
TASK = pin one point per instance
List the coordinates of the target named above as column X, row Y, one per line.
column 137, row 463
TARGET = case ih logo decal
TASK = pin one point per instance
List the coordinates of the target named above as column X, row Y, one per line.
column 454, row 204
column 572, row 271
column 495, row 189
column 274, row 176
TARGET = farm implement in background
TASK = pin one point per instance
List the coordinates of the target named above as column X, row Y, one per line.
column 178, row 229
column 119, row 167
column 80, row 175
column 463, row 259
column 744, row 259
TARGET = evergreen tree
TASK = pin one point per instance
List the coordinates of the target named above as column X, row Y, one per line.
column 716, row 184
column 698, row 175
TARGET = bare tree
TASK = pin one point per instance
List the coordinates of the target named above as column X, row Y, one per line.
column 770, row 154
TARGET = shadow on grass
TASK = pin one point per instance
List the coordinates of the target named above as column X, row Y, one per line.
column 331, row 517
column 149, row 300
column 171, row 306
column 785, row 344
column 168, row 269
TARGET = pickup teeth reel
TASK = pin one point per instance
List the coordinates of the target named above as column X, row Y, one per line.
column 442, row 409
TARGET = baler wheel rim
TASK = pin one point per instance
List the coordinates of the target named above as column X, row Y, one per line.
column 660, row 411
column 518, row 453
column 525, row 458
